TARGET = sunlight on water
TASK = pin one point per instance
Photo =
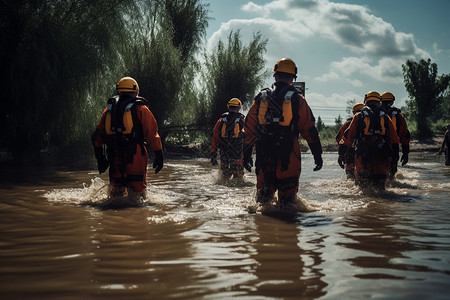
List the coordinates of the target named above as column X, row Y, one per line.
column 332, row 195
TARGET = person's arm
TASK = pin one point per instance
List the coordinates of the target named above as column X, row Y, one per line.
column 149, row 128
column 151, row 135
column 251, row 134
column 306, row 126
column 215, row 136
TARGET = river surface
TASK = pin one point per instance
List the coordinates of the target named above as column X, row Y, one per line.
column 197, row 238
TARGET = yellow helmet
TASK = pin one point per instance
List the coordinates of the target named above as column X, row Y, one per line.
column 372, row 96
column 286, row 65
column 127, row 85
column 357, row 107
column 387, row 96
column 235, row 102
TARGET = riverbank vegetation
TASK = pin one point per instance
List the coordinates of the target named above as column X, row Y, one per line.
column 62, row 58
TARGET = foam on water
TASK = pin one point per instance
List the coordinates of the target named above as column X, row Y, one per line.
column 97, row 194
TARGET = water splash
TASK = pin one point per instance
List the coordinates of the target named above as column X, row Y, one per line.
column 97, row 194
column 94, row 192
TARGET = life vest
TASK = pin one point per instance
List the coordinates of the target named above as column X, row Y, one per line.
column 231, row 141
column 373, row 138
column 232, row 128
column 276, row 120
column 123, row 129
column 275, row 115
column 373, row 124
column 121, row 117
column 393, row 113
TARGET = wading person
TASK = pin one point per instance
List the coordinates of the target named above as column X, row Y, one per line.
column 127, row 127
column 446, row 146
column 387, row 101
column 227, row 139
column 349, row 164
column 376, row 144
column 276, row 118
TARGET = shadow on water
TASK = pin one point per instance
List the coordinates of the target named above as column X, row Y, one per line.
column 117, row 203
column 33, row 175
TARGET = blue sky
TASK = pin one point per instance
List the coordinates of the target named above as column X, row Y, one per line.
column 343, row 49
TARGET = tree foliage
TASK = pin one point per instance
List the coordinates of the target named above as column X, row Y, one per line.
column 62, row 58
column 53, row 53
column 320, row 124
column 232, row 70
column 160, row 53
column 425, row 89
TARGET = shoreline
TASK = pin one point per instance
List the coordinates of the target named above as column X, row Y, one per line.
column 173, row 151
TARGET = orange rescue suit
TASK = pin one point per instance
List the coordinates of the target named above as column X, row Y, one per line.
column 372, row 168
column 135, row 171
column 228, row 137
column 279, row 168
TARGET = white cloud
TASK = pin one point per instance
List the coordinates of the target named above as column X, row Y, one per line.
column 329, row 76
column 280, row 32
column 343, row 50
column 333, row 100
column 355, row 82
column 287, row 22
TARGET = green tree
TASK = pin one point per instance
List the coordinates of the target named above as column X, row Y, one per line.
column 232, row 70
column 425, row 88
column 160, row 53
column 53, row 53
column 338, row 122
column 320, row 124
column 188, row 19
column 349, row 107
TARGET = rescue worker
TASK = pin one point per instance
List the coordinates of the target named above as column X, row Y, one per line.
column 349, row 166
column 127, row 128
column 228, row 139
column 376, row 143
column 446, row 146
column 276, row 118
column 387, row 101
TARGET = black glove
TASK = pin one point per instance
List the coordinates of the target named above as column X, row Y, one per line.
column 343, row 153
column 340, row 162
column 318, row 161
column 404, row 159
column 405, row 151
column 395, row 151
column 316, row 150
column 214, row 158
column 248, row 160
column 158, row 163
column 102, row 162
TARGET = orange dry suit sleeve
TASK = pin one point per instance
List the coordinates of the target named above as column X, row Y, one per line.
column 251, row 126
column 342, row 130
column 393, row 136
column 149, row 127
column 350, row 133
column 402, row 130
column 215, row 136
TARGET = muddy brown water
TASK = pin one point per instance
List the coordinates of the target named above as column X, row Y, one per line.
column 196, row 238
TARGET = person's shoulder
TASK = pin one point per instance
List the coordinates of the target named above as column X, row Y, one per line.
column 262, row 94
column 141, row 101
column 113, row 99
